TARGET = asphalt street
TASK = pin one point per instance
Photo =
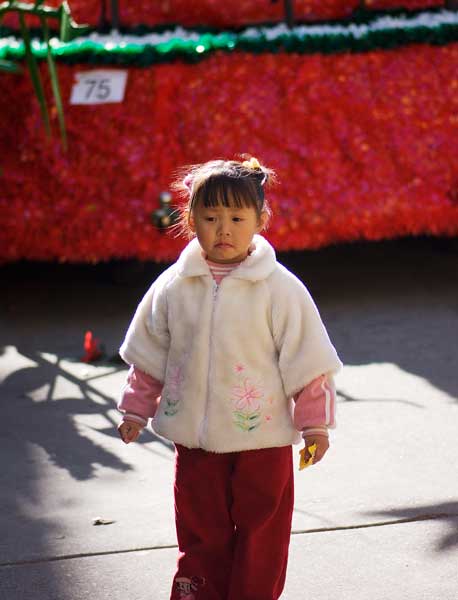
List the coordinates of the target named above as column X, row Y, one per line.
column 376, row 520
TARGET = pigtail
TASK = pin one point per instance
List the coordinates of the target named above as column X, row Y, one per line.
column 260, row 173
column 187, row 182
column 182, row 185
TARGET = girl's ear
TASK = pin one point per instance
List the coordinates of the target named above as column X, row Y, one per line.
column 263, row 219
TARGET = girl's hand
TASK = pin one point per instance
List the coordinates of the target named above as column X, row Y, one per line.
column 322, row 445
column 129, row 431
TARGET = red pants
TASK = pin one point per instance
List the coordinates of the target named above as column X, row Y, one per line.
column 233, row 519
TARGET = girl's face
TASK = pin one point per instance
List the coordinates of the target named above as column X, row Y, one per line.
column 225, row 232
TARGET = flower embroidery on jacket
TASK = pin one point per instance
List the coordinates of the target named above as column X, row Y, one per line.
column 247, row 396
column 246, row 399
column 171, row 393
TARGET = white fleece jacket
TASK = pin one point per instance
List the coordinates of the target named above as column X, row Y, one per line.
column 232, row 356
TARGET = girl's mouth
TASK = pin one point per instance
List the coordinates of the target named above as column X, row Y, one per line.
column 223, row 245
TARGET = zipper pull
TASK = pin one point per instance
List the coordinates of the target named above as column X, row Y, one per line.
column 215, row 289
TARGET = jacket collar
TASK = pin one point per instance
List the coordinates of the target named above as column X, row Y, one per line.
column 258, row 265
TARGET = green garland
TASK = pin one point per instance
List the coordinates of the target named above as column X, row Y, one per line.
column 382, row 31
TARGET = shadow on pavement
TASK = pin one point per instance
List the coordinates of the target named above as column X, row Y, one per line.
column 444, row 511
column 348, row 398
column 392, row 301
column 38, row 431
column 50, row 423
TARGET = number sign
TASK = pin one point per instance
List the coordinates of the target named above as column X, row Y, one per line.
column 99, row 87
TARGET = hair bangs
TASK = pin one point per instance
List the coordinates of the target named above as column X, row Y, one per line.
column 231, row 192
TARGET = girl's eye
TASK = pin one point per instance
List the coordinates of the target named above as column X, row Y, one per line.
column 237, row 219
column 210, row 219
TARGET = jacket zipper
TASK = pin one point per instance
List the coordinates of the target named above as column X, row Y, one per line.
column 202, row 428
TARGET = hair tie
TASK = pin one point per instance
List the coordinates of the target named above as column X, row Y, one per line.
column 253, row 163
column 187, row 182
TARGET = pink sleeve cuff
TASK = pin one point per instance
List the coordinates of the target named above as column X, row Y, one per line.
column 140, row 396
column 316, row 405
column 136, row 418
column 311, row 431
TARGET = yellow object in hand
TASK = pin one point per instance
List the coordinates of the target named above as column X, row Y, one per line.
column 303, row 464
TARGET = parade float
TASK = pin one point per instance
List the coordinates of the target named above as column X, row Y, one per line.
column 354, row 105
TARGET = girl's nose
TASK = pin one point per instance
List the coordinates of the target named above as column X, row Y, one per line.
column 224, row 228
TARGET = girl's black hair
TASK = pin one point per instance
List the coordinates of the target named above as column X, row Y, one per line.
column 222, row 183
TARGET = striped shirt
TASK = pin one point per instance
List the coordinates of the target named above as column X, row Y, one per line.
column 220, row 270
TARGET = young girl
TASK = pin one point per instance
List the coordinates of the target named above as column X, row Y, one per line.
column 231, row 361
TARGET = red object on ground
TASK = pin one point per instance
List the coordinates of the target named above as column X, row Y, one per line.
column 92, row 350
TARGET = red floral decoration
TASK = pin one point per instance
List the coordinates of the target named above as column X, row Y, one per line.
column 223, row 14
column 408, row 4
column 365, row 147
